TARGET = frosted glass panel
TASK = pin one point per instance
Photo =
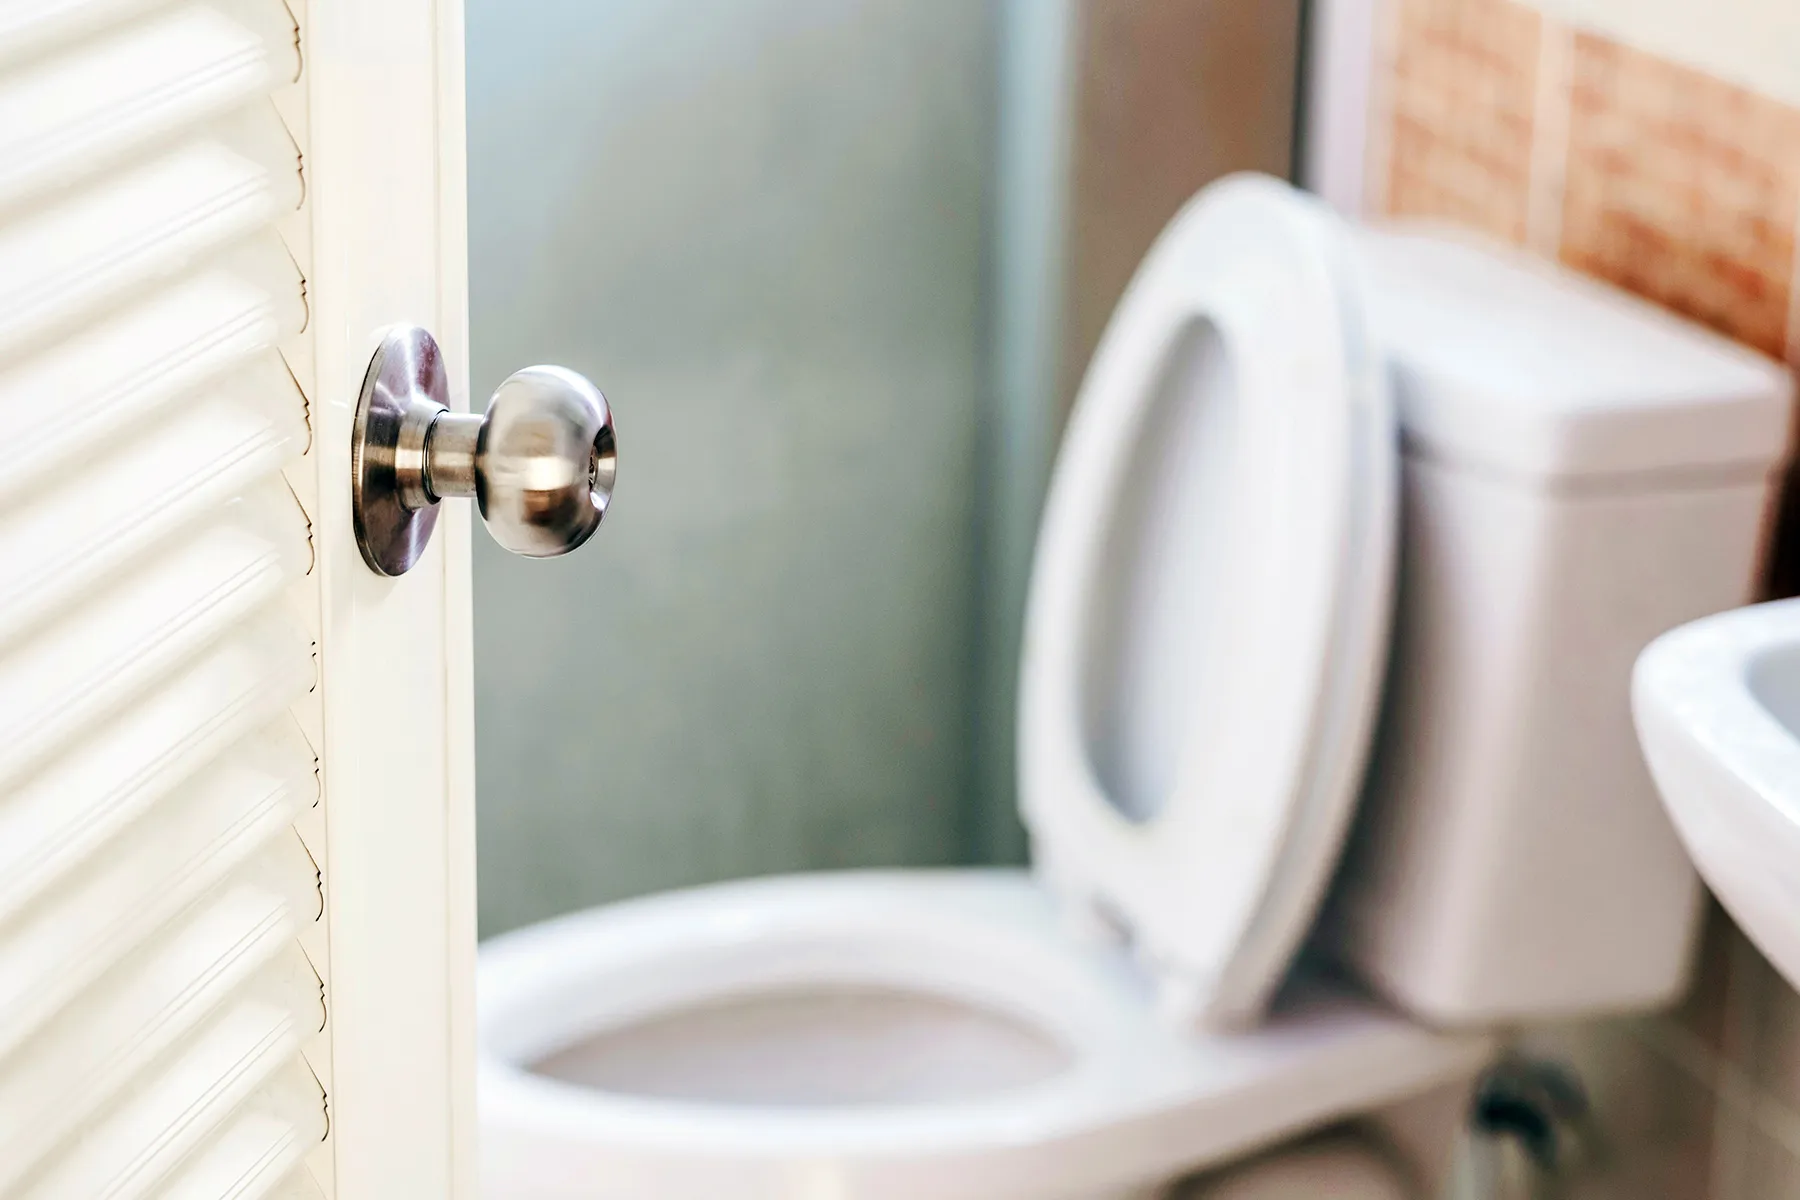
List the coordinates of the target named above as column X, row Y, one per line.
column 758, row 224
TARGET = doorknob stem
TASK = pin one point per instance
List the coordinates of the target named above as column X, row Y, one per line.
column 450, row 455
column 540, row 463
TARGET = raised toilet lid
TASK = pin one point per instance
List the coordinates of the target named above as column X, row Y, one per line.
column 1209, row 605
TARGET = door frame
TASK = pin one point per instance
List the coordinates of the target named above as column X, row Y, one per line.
column 1337, row 94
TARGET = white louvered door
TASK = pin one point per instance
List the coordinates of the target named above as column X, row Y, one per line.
column 236, row 866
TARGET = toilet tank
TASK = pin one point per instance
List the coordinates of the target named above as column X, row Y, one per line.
column 1581, row 472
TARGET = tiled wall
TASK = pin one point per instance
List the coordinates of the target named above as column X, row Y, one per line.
column 1686, row 189
column 1655, row 176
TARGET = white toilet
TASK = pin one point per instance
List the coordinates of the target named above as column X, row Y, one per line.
column 1294, row 438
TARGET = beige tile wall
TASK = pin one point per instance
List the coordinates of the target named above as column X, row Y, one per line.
column 1480, row 62
column 1666, row 181
column 1682, row 188
column 1685, row 189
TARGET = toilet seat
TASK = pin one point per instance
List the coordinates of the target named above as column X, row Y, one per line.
column 1209, row 606
column 1135, row 1101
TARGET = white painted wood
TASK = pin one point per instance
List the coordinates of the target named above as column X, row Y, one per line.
column 387, row 195
column 121, row 369
column 77, row 113
column 236, row 787
column 1340, row 68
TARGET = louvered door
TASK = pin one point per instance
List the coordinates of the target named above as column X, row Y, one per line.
column 235, row 874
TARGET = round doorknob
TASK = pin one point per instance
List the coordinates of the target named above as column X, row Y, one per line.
column 540, row 463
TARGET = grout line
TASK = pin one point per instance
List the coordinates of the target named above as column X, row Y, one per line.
column 1738, row 1089
column 1681, row 1049
column 1550, row 116
column 1727, row 1103
column 1731, row 1122
column 1741, row 1110
column 1740, row 1105
column 1793, row 304
column 1772, row 1118
column 1733, row 1098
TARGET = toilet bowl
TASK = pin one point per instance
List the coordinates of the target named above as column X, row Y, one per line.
column 1294, row 439
column 643, row 1050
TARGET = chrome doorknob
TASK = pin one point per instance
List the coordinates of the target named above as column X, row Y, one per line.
column 540, row 463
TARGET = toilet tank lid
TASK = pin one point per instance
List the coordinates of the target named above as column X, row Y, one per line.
column 1506, row 361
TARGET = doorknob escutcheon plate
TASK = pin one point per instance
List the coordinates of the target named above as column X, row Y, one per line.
column 540, row 463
